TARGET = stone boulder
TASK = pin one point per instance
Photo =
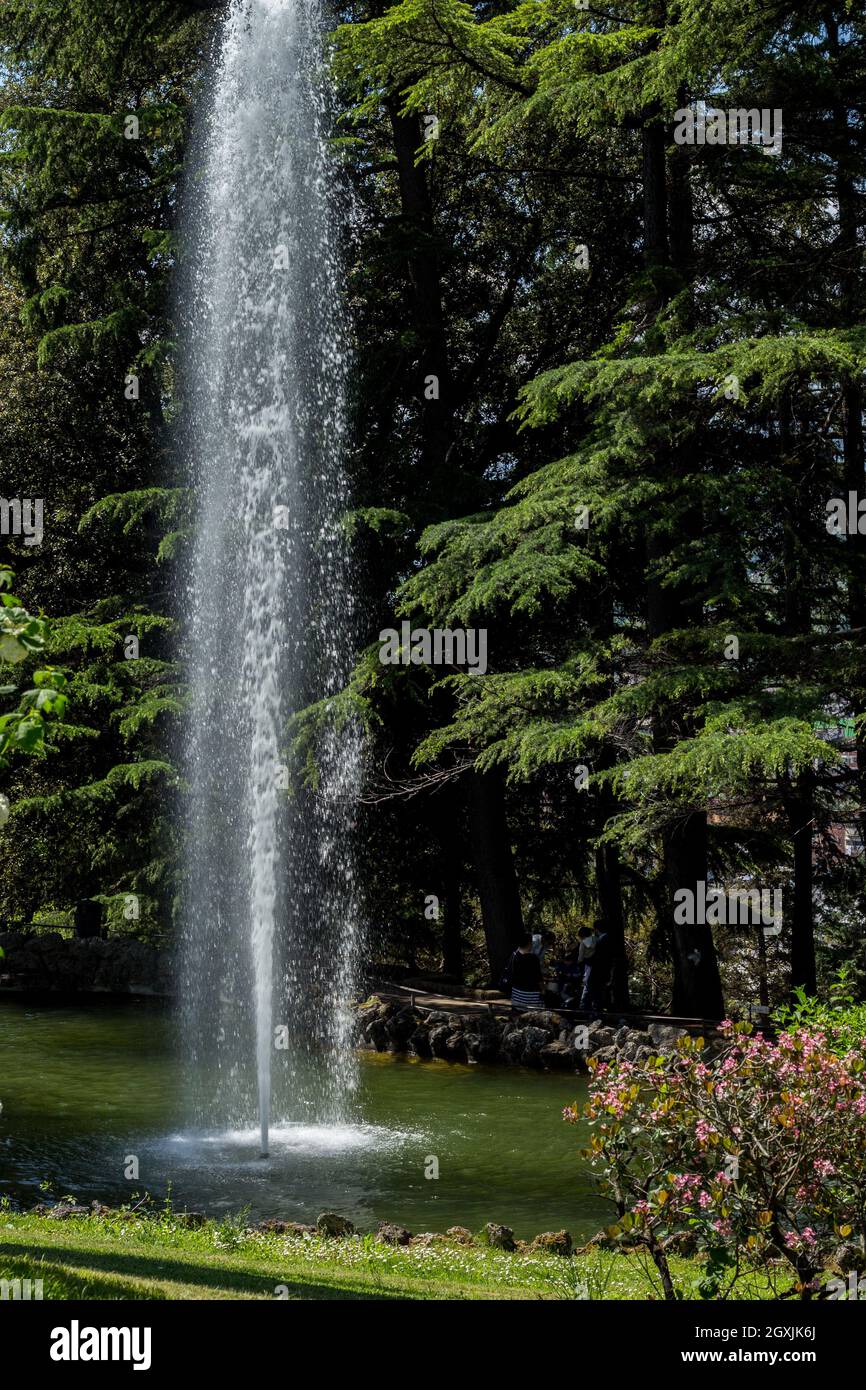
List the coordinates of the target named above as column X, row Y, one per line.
column 716, row 1044
column 47, row 961
column 286, row 1228
column 419, row 1042
column 542, row 1018
column 461, row 1235
column 483, row 1047
column 192, row 1219
column 534, row 1039
column 439, row 1039
column 635, row 1041
column 369, row 1005
column 553, row 1243
column 330, row 1223
column 389, row 1234
column 665, row 1036
column 123, row 966
column 499, row 1237
column 513, row 1042
column 376, row 1034
column 401, row 1026
column 558, row 1056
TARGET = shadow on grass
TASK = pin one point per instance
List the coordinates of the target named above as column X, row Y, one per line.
column 60, row 1283
column 49, row 1262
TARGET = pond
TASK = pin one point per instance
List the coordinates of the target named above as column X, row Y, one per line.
column 89, row 1092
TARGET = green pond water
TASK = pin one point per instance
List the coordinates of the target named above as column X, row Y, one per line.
column 85, row 1088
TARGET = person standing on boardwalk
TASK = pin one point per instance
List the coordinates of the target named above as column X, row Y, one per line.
column 596, row 985
column 585, row 953
column 526, row 978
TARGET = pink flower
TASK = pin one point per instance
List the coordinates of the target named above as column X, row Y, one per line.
column 704, row 1133
column 796, row 1240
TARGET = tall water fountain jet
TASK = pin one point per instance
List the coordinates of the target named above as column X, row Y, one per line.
column 271, row 934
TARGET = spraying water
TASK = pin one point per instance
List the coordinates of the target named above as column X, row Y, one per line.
column 270, row 921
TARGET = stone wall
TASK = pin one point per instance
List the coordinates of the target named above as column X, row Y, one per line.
column 46, row 962
column 537, row 1038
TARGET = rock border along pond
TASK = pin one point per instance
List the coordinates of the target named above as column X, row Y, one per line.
column 542, row 1038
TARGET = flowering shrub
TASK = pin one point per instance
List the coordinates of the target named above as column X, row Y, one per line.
column 757, row 1156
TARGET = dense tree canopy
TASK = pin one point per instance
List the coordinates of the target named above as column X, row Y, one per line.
column 606, row 385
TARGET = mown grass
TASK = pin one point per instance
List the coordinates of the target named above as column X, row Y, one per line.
column 156, row 1256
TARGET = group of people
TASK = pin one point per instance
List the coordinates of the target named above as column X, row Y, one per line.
column 581, row 980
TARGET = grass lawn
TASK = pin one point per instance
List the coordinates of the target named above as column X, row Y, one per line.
column 158, row 1257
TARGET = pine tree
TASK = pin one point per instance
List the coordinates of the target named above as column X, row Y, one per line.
column 703, row 463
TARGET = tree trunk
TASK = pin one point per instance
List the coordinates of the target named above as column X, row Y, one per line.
column 609, row 889
column 802, row 934
column 435, row 387
column 798, row 621
column 501, row 913
column 852, row 443
column 655, row 201
column 697, row 985
column 448, row 833
column 763, row 981
column 852, row 402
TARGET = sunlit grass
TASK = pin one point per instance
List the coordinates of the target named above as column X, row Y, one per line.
column 159, row 1257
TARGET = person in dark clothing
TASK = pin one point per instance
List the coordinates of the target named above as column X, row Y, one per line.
column 596, row 988
column 88, row 918
column 570, row 979
column 526, row 978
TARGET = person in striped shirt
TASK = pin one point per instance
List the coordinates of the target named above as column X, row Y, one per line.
column 526, row 978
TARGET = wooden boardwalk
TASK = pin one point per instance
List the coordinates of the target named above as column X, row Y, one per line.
column 492, row 1002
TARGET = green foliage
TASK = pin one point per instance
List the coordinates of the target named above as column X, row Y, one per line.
column 95, row 113
column 22, row 636
column 839, row 1018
